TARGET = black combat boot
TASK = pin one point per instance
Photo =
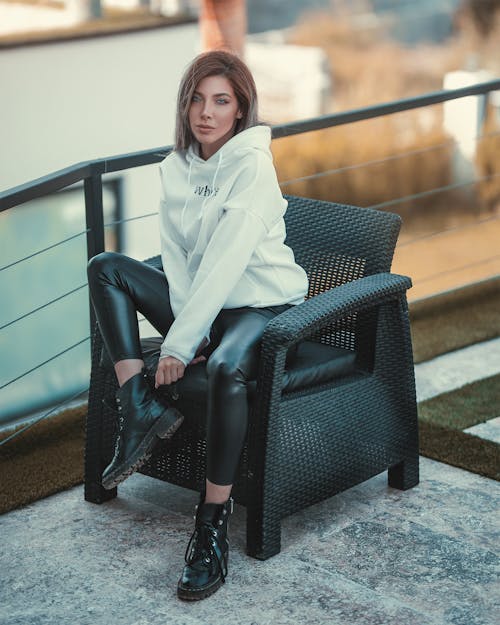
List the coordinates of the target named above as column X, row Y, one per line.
column 207, row 552
column 142, row 420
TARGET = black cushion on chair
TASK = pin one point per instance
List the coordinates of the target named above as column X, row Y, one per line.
column 313, row 363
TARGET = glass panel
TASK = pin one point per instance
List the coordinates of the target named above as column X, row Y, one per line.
column 28, row 340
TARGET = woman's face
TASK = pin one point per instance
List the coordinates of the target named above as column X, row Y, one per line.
column 213, row 113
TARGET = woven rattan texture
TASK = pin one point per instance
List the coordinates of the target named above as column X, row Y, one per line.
column 306, row 445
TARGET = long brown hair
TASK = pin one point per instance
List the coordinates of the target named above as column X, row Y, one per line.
column 215, row 63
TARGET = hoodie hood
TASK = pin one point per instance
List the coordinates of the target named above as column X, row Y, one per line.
column 255, row 138
column 204, row 175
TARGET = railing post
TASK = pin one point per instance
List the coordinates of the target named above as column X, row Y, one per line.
column 94, row 427
column 94, row 215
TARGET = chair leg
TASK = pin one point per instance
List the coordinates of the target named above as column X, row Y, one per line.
column 405, row 474
column 93, row 490
column 263, row 534
column 95, row 452
column 95, row 493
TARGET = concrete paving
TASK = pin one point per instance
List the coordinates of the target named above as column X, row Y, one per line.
column 489, row 430
column 455, row 369
column 372, row 555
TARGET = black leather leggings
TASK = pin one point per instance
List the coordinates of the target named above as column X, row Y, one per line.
column 120, row 286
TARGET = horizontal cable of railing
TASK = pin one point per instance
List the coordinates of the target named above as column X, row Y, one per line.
column 69, row 293
column 65, row 177
column 45, row 249
column 438, row 233
column 127, row 219
column 54, row 408
column 43, row 416
column 440, row 274
column 79, row 234
column 39, row 308
column 448, row 187
column 436, row 190
column 64, row 351
column 381, row 161
column 19, row 377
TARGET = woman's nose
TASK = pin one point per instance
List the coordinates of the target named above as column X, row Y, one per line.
column 206, row 111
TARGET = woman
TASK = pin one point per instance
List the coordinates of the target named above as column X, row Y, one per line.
column 227, row 272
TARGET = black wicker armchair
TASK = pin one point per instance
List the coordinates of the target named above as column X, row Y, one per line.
column 341, row 411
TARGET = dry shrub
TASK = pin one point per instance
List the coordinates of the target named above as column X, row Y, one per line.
column 478, row 22
column 368, row 67
column 403, row 170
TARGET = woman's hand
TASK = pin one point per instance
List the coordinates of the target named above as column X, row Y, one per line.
column 169, row 370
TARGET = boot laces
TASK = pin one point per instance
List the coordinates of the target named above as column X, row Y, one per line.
column 204, row 545
column 119, row 420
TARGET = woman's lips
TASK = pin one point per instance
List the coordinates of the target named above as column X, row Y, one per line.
column 205, row 128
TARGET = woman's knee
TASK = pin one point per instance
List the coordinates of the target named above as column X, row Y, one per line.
column 103, row 263
column 222, row 369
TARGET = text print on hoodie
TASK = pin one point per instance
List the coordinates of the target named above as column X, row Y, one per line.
column 222, row 237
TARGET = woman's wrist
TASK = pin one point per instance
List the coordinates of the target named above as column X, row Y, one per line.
column 175, row 356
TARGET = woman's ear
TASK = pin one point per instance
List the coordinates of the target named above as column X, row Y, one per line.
column 239, row 115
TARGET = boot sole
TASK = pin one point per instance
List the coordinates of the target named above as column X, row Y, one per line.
column 144, row 451
column 197, row 595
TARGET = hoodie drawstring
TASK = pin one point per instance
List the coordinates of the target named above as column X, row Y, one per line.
column 187, row 198
column 214, row 179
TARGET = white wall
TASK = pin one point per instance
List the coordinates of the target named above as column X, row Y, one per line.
column 293, row 82
column 66, row 102
column 60, row 104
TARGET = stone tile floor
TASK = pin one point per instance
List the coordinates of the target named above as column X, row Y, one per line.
column 455, row 369
column 372, row 555
column 489, row 430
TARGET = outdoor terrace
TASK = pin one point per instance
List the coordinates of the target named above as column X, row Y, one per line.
column 369, row 555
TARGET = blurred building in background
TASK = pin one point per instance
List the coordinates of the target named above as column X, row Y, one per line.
column 464, row 119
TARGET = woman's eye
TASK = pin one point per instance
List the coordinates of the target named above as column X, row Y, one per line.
column 222, row 101
column 196, row 98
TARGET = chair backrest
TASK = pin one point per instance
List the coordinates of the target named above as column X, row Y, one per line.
column 337, row 243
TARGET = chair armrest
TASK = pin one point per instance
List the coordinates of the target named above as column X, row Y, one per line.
column 321, row 310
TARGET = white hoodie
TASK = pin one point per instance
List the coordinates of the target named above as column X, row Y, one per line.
column 222, row 237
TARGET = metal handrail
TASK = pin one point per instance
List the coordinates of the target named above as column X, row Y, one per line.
column 379, row 110
column 80, row 171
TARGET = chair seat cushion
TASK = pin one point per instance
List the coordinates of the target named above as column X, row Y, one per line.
column 312, row 364
column 315, row 363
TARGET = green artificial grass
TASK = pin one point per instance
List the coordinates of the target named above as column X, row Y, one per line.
column 459, row 409
column 448, row 322
column 43, row 460
column 460, row 449
column 442, row 419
